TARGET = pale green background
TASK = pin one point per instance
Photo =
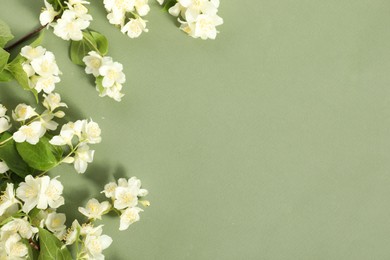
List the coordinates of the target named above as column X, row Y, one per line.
column 272, row 142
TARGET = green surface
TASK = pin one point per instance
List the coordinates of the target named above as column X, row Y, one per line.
column 272, row 142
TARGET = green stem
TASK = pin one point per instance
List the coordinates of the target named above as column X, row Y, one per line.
column 63, row 159
column 6, row 140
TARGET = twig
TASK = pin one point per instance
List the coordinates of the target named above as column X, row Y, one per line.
column 24, row 38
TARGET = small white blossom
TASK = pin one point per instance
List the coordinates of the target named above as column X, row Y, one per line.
column 52, row 101
column 91, row 132
column 109, row 189
column 135, row 27
column 125, row 197
column 45, row 65
column 32, row 53
column 82, row 157
column 29, row 133
column 14, row 248
column 128, row 217
column 66, row 135
column 23, row 112
column 21, row 226
column 94, row 209
column 93, row 62
column 70, row 26
column 55, row 222
column 3, row 167
column 47, row 15
column 142, row 7
column 71, row 235
column 4, row 124
column 7, row 199
column 112, row 73
column 94, row 245
column 40, row 192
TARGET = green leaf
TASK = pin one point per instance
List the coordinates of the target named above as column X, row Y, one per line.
column 16, row 68
column 101, row 42
column 51, row 247
column 78, row 49
column 92, row 41
column 6, row 76
column 42, row 156
column 10, row 155
column 3, row 59
column 5, row 34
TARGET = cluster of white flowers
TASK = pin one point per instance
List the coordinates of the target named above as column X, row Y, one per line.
column 125, row 198
column 110, row 73
column 118, row 10
column 41, row 193
column 200, row 17
column 41, row 68
column 72, row 21
column 92, row 240
column 37, row 124
column 77, row 135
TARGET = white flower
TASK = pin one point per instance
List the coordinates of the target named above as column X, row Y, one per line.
column 23, row 112
column 14, row 248
column 29, row 133
column 109, row 189
column 160, row 1
column 28, row 69
column 94, row 245
column 142, row 7
column 128, row 217
column 47, row 122
column 113, row 92
column 55, row 222
column 112, row 73
column 125, row 5
column 82, row 157
column 125, row 197
column 52, row 101
column 32, row 53
column 3, row 167
column 117, row 16
column 93, row 62
column 91, row 132
column 66, row 135
column 70, row 26
column 135, row 27
column 45, row 65
column 21, row 226
column 203, row 26
column 48, row 14
column 176, row 9
column 4, row 124
column 47, row 84
column 7, row 199
column 71, row 235
column 94, row 209
column 40, row 192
